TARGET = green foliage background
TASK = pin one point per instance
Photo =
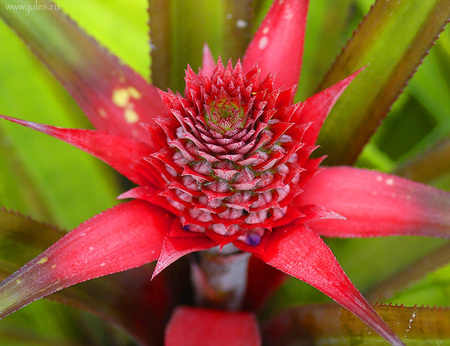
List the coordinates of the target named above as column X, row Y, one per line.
column 55, row 183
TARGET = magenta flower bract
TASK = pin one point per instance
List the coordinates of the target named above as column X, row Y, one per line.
column 227, row 162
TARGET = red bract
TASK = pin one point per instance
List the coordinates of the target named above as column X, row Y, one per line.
column 191, row 326
column 227, row 162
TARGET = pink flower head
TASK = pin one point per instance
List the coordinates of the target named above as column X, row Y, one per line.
column 227, row 162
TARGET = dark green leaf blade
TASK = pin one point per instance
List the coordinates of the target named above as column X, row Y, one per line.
column 391, row 41
column 430, row 165
column 21, row 239
column 331, row 324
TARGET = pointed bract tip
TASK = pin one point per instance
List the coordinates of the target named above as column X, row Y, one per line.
column 208, row 63
column 278, row 43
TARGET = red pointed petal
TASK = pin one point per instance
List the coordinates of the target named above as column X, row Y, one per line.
column 119, row 152
column 195, row 326
column 176, row 247
column 376, row 204
column 316, row 108
column 113, row 96
column 121, row 238
column 208, row 64
column 298, row 251
column 278, row 44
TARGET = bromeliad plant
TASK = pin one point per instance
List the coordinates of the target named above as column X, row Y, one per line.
column 225, row 170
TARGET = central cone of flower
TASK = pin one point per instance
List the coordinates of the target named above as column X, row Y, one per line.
column 232, row 160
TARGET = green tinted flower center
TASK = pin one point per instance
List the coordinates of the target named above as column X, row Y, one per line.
column 224, row 115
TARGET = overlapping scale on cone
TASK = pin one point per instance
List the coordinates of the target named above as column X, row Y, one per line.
column 233, row 161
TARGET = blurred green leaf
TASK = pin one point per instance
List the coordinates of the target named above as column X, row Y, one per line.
column 120, row 25
column 49, row 323
column 419, row 119
column 333, row 325
column 329, row 26
column 47, row 192
column 392, row 41
column 22, row 239
column 429, row 166
column 180, row 28
column 432, row 290
column 16, row 181
column 409, row 275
